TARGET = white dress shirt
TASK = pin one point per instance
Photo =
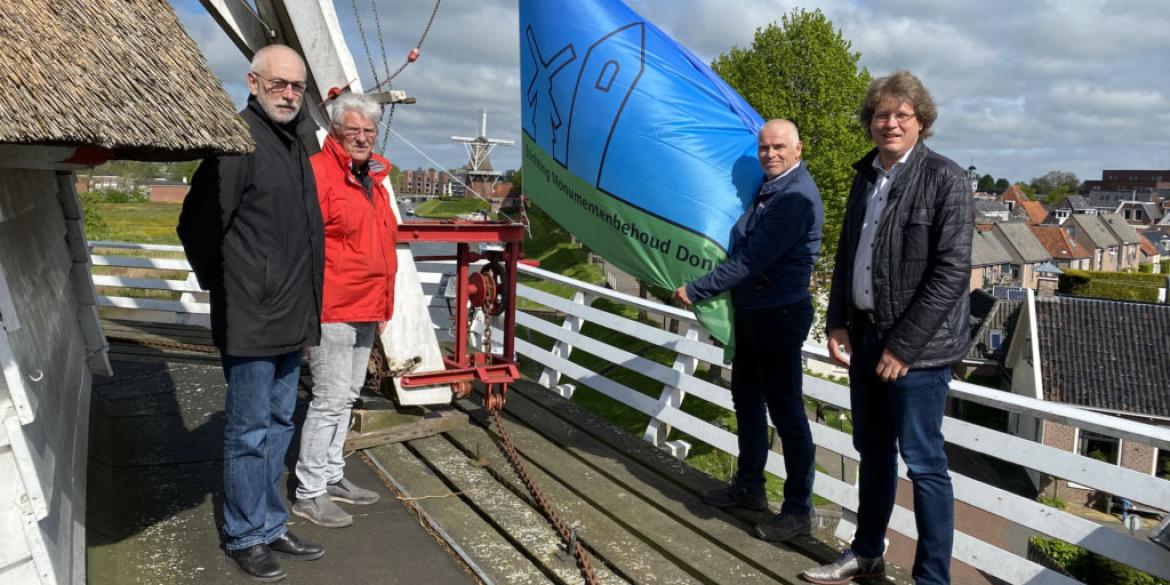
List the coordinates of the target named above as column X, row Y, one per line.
column 863, row 258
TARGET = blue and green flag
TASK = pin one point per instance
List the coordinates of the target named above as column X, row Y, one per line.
column 633, row 144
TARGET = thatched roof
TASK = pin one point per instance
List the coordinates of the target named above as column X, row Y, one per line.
column 120, row 75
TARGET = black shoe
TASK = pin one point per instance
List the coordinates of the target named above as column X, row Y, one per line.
column 785, row 527
column 257, row 562
column 294, row 548
column 734, row 494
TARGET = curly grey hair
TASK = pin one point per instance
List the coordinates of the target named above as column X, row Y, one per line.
column 354, row 102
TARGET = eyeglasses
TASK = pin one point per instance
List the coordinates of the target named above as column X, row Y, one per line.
column 351, row 132
column 900, row 117
column 277, row 85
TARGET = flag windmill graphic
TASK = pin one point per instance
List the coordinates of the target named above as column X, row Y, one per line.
column 633, row 144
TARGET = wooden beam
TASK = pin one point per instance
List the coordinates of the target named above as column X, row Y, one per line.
column 432, row 423
column 242, row 26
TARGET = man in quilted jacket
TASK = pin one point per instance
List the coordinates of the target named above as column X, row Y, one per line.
column 898, row 319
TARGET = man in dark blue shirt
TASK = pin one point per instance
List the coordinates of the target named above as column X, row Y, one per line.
column 774, row 246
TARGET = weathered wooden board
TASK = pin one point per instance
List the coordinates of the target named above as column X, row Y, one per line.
column 652, row 474
column 492, row 553
column 635, row 539
column 512, row 515
column 405, row 427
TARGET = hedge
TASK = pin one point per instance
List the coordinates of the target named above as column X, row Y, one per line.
column 1125, row 286
column 1087, row 567
column 1166, row 266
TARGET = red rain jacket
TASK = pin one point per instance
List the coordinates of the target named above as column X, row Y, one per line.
column 360, row 236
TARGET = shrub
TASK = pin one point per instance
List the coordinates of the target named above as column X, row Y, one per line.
column 1087, row 567
column 1147, row 268
column 95, row 224
column 114, row 196
column 1166, row 266
column 1112, row 285
column 1052, row 502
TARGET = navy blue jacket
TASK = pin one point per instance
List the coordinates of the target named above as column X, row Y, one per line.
column 774, row 246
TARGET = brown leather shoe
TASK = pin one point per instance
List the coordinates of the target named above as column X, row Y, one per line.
column 257, row 562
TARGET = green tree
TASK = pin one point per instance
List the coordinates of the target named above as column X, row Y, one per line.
column 517, row 181
column 1002, row 184
column 1028, row 190
column 802, row 69
column 91, row 212
column 182, row 171
column 986, row 183
column 1056, row 181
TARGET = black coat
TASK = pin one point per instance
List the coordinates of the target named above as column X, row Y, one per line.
column 251, row 227
column 922, row 259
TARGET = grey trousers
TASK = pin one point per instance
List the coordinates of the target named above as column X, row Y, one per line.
column 338, row 364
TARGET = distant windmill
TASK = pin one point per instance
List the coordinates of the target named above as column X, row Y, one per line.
column 481, row 177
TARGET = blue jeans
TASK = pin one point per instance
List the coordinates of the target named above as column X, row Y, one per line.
column 339, row 366
column 766, row 378
column 904, row 415
column 262, row 392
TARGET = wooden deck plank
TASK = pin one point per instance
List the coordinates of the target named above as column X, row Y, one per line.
column 492, row 553
column 626, row 551
column 662, row 481
column 523, row 525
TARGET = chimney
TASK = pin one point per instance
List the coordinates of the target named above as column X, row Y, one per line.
column 1047, row 279
column 1046, row 286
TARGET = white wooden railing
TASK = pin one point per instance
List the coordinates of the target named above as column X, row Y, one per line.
column 680, row 385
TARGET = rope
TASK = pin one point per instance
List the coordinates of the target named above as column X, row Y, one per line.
column 192, row 347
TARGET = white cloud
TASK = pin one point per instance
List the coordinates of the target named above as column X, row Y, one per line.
column 1022, row 87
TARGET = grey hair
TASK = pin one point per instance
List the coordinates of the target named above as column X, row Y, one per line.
column 354, row 102
column 260, row 58
column 781, row 123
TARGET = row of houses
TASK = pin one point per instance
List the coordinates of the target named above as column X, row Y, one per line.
column 1015, row 237
column 1099, row 354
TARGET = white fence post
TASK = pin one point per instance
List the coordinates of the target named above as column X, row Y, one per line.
column 550, row 377
column 672, row 396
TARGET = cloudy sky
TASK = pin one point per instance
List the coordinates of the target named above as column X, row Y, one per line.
column 1023, row 87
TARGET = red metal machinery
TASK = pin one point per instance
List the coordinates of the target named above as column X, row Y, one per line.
column 492, row 289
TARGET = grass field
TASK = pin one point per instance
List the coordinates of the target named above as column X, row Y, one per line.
column 143, row 223
column 449, row 208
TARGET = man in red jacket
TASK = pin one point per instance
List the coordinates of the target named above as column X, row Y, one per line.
column 360, row 264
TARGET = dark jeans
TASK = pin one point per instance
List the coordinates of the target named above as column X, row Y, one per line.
column 766, row 379
column 904, row 415
column 262, row 392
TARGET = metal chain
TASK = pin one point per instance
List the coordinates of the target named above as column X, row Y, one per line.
column 419, row 45
column 487, row 334
column 381, row 41
column 366, row 44
column 569, row 536
column 370, row 58
column 386, row 68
